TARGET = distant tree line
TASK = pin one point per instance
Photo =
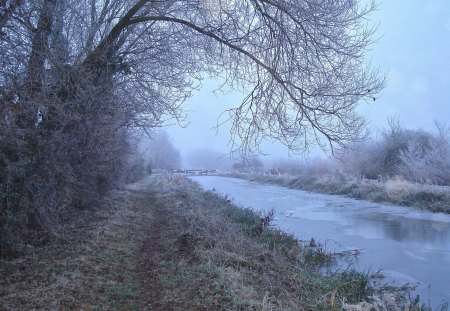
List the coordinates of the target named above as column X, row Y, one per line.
column 249, row 165
column 160, row 153
column 415, row 155
column 209, row 159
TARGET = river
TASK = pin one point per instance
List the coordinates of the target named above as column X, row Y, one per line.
column 410, row 246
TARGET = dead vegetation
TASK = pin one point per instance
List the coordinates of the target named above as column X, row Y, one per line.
column 396, row 190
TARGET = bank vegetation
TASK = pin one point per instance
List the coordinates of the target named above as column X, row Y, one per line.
column 396, row 166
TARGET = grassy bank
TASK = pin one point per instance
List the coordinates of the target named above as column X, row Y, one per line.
column 394, row 191
column 165, row 244
column 92, row 265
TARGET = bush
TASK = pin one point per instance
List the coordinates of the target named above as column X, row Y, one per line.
column 415, row 155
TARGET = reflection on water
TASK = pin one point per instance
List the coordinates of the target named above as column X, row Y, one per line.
column 401, row 228
column 410, row 246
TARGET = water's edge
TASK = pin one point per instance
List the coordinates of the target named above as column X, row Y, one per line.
column 410, row 246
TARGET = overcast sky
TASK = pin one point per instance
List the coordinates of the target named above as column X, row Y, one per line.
column 414, row 52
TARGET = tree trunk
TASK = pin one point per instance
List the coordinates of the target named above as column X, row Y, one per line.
column 39, row 47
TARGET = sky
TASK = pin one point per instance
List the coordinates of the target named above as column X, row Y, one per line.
column 413, row 50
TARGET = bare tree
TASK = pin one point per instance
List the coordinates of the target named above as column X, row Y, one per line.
column 427, row 158
column 76, row 76
column 302, row 63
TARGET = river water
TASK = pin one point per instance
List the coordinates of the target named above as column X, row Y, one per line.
column 409, row 246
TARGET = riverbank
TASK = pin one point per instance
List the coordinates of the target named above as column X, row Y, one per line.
column 165, row 244
column 394, row 191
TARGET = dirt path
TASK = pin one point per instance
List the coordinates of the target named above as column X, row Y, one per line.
column 92, row 265
column 123, row 255
column 167, row 256
column 153, row 250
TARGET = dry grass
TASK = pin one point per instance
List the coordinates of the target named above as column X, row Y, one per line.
column 394, row 191
column 397, row 189
column 91, row 267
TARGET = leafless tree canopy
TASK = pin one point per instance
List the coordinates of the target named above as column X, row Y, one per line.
column 77, row 75
column 302, row 62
